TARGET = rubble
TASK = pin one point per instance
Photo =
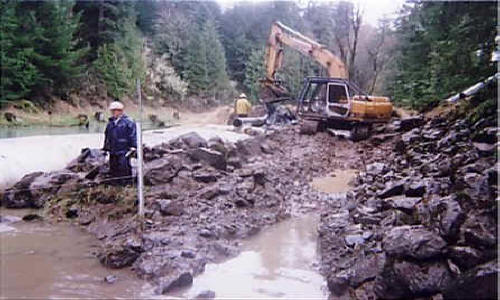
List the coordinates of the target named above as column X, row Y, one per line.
column 430, row 204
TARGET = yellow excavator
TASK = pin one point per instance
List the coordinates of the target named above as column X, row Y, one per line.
column 331, row 102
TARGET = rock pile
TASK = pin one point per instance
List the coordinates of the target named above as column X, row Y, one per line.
column 423, row 221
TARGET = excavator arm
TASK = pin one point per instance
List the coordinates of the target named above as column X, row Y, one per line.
column 282, row 35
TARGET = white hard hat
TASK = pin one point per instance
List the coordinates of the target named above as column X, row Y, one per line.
column 243, row 95
column 116, row 105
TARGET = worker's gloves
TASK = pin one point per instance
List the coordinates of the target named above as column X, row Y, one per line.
column 131, row 153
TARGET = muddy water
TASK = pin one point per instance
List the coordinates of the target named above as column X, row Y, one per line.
column 277, row 263
column 40, row 260
column 336, row 182
column 280, row 262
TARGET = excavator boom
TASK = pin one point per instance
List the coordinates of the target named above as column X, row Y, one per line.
column 283, row 35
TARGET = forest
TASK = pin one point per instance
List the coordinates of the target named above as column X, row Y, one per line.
column 200, row 51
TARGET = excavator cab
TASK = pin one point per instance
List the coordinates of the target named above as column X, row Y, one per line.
column 325, row 97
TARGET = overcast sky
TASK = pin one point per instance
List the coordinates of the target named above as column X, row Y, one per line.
column 373, row 9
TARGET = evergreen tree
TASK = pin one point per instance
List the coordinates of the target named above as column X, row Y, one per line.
column 18, row 73
column 443, row 48
column 196, row 65
column 254, row 71
column 119, row 58
column 216, row 60
column 205, row 65
column 57, row 58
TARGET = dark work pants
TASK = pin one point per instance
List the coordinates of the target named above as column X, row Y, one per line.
column 120, row 169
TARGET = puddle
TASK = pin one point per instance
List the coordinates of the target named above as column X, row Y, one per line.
column 39, row 260
column 336, row 182
column 279, row 262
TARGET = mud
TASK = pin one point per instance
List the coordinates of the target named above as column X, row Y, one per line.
column 43, row 260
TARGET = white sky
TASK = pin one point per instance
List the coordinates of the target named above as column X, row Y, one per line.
column 373, row 9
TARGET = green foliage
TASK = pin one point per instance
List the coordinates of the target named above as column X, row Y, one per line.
column 17, row 70
column 38, row 49
column 245, row 27
column 253, row 72
column 112, row 69
column 205, row 64
column 443, row 48
column 119, row 61
column 56, row 57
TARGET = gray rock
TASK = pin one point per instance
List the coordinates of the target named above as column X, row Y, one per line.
column 206, row 295
column 352, row 239
column 413, row 241
column 249, row 147
column 205, row 176
column 392, row 189
column 416, row 189
column 480, row 230
column 170, row 207
column 404, row 279
column 485, row 149
column 163, row 170
column 364, row 269
column 477, row 283
column 174, row 281
column 193, row 140
column 451, row 218
column 188, row 254
column 110, row 279
column 206, row 233
column 376, row 168
column 118, row 257
column 405, row 204
column 19, row 195
column 465, row 257
column 210, row 157
column 88, row 160
column 411, row 137
column 409, row 123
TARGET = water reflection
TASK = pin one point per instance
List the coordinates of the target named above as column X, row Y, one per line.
column 278, row 262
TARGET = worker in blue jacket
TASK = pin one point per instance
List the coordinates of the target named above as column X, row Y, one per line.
column 121, row 142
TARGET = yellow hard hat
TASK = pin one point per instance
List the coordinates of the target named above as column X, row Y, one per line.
column 243, row 95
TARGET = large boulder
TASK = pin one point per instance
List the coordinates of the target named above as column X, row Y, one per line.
column 392, row 189
column 34, row 189
column 173, row 281
column 413, row 241
column 480, row 282
column 88, row 160
column 451, row 217
column 193, row 140
column 364, row 269
column 163, row 170
column 19, row 195
column 211, row 157
column 409, row 123
column 404, row 280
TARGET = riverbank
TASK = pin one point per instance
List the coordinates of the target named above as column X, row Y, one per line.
column 62, row 115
